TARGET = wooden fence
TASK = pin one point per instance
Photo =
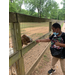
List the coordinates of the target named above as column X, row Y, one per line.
column 17, row 57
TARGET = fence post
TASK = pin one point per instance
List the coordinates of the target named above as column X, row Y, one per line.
column 50, row 26
column 13, row 36
column 17, row 46
column 20, row 62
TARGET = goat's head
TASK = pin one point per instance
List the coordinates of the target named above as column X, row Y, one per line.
column 25, row 39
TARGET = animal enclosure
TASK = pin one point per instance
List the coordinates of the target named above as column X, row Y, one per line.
column 33, row 27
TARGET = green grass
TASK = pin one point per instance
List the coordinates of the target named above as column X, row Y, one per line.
column 46, row 58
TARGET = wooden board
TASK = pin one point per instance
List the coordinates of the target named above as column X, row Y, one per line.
column 16, row 17
column 14, row 58
column 12, row 17
column 27, row 18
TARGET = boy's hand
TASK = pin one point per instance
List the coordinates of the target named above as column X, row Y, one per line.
column 38, row 40
column 57, row 43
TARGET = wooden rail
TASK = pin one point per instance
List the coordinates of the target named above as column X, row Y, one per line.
column 15, row 19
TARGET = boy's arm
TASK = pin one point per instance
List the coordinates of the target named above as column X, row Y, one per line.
column 43, row 40
column 62, row 45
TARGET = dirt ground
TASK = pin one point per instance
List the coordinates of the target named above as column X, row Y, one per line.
column 31, row 56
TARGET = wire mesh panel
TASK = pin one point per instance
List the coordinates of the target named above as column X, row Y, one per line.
column 34, row 30
column 11, row 51
column 12, row 68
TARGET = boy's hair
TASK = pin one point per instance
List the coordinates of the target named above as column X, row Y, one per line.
column 56, row 25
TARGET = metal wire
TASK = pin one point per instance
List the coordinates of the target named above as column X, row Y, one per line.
column 12, row 69
column 10, row 42
column 34, row 30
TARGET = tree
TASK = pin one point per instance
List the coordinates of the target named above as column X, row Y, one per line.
column 36, row 4
column 46, row 8
column 63, row 2
column 15, row 5
column 12, row 6
column 54, row 10
column 20, row 2
column 60, row 15
column 61, row 12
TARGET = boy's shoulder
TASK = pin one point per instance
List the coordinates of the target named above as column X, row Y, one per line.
column 63, row 32
column 51, row 36
column 62, row 35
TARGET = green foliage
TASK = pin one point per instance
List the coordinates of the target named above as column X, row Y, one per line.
column 12, row 7
column 61, row 15
column 45, row 8
column 63, row 2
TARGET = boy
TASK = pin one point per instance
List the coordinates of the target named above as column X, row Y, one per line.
column 58, row 46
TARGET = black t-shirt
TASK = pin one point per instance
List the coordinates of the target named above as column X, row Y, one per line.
column 63, row 37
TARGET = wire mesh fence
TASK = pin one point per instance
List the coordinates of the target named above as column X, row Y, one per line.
column 34, row 30
column 11, row 51
column 12, row 69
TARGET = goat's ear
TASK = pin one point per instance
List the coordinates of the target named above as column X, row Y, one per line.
column 24, row 35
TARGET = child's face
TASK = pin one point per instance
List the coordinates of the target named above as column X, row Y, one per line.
column 57, row 30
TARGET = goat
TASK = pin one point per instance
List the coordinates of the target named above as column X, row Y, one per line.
column 25, row 40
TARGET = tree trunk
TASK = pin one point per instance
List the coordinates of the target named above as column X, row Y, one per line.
column 11, row 1
column 20, row 8
column 38, row 13
column 40, row 10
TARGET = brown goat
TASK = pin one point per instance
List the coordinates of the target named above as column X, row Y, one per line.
column 25, row 39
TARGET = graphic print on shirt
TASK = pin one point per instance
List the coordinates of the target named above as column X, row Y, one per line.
column 55, row 39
